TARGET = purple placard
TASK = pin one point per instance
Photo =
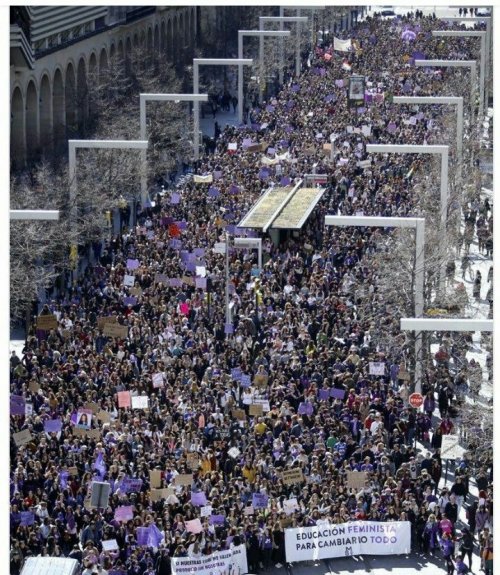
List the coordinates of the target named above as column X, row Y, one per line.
column 263, row 174
column 175, row 244
column 271, row 151
column 52, row 426
column 182, row 224
column 339, row 83
column 246, row 142
column 322, row 72
column 174, row 282
column 259, row 500
column 231, row 229
column 191, row 267
column 142, row 536
column 217, row 175
column 361, row 110
column 285, row 181
column 305, row 408
column 199, row 252
column 255, row 127
column 295, row 88
column 130, row 300
column 290, row 104
column 201, row 283
column 166, row 221
column 198, row 498
column 132, row 264
column 175, row 198
column 129, row 484
column 27, row 518
column 245, row 380
column 124, row 513
column 234, row 189
column 216, row 519
column 17, row 404
column 337, row 393
column 328, row 98
column 289, row 129
column 324, row 394
column 236, row 373
column 213, row 192
column 228, row 328
column 269, row 108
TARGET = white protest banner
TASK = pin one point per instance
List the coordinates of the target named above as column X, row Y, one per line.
column 203, row 179
column 290, row 505
column 347, row 539
column 158, row 379
column 230, row 561
column 450, row 449
column 140, row 402
column 128, row 280
column 341, row 45
column 376, row 367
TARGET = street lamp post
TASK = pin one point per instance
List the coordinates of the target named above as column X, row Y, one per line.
column 281, row 19
column 419, row 225
column 455, row 64
column 260, row 34
column 487, row 20
column 74, row 145
column 142, row 104
column 197, row 62
column 420, row 149
column 482, row 67
column 438, row 100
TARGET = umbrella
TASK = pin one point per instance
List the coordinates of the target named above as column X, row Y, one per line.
column 408, row 35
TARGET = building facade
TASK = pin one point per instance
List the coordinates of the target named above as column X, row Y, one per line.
column 55, row 49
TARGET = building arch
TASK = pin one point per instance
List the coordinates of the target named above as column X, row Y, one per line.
column 156, row 40
column 70, row 97
column 150, row 41
column 17, row 138
column 58, row 110
column 163, row 38
column 121, row 53
column 82, row 93
column 170, row 44
column 45, row 113
column 128, row 54
column 103, row 66
column 32, row 127
column 112, row 53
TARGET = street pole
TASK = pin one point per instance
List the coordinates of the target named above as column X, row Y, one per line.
column 421, row 149
column 419, row 265
column 482, row 68
column 261, row 34
column 197, row 62
column 228, row 312
column 143, row 98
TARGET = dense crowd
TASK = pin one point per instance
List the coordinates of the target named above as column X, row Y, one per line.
column 297, row 346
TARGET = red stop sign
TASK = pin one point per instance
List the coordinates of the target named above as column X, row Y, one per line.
column 416, row 400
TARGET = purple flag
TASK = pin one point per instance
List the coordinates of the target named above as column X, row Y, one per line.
column 63, row 479
column 182, row 224
column 198, row 498
column 154, row 536
column 285, row 181
column 391, row 127
column 124, row 513
column 100, row 466
column 290, row 104
column 167, row 221
column 234, row 189
column 213, row 192
column 199, row 252
column 246, row 142
column 52, row 426
column 231, row 229
column 263, row 174
column 295, row 88
column 17, row 404
column 142, row 536
column 328, row 98
column 361, row 110
column 175, row 244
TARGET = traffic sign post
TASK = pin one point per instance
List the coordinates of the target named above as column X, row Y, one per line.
column 416, row 400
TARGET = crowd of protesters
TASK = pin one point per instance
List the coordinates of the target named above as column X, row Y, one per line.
column 297, row 345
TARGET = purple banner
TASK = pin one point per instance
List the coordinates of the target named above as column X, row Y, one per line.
column 132, row 264
column 259, row 500
column 285, row 181
column 198, row 498
column 130, row 484
column 131, row 300
column 245, row 380
column 213, row 192
column 27, row 518
column 216, row 519
column 17, row 404
column 337, row 393
column 52, row 426
column 324, row 394
column 236, row 373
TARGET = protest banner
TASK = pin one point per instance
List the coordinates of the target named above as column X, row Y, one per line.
column 130, row 484
column 290, row 506
column 255, row 409
column 261, row 380
column 46, row 322
column 128, row 280
column 347, row 539
column 94, row 408
column 124, row 399
column 239, row 414
column 103, row 416
column 198, row 498
column 140, row 402
column 356, row 88
column 194, row 526
column 376, row 368
column 232, row 560
column 183, row 479
column 203, row 179
column 109, row 545
column 356, row 479
column 155, row 477
column 99, row 497
column 33, row 386
column 102, row 321
column 115, row 330
column 161, row 278
column 17, row 405
column 22, row 437
column 205, row 511
column 341, row 45
column 124, row 513
column 291, row 476
column 450, row 449
column 159, row 494
column 260, row 500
